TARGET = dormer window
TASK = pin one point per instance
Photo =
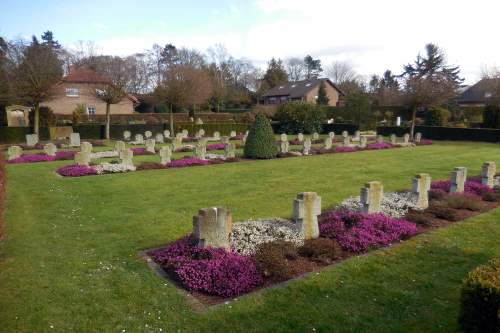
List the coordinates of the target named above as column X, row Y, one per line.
column 308, row 84
column 488, row 94
column 72, row 92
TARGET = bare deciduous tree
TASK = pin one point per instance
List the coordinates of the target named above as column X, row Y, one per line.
column 295, row 68
column 341, row 71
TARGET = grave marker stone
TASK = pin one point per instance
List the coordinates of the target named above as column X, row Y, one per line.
column 371, row 197
column 328, row 143
column 148, row 134
column 150, row 146
column 165, row 155
column 212, row 227
column 31, row 140
column 119, row 146
column 300, row 137
column 363, row 142
column 458, row 178
column 306, row 146
column 74, row 140
column 127, row 158
column 159, row 138
column 86, row 146
column 14, row 152
column 306, row 208
column 216, row 135
column 127, row 135
column 393, row 139
column 420, row 186
column 82, row 158
column 50, row 149
column 488, row 171
column 166, row 133
column 229, row 150
column 418, row 137
column 315, row 136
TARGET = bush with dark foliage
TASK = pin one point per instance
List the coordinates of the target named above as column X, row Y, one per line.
column 260, row 143
column 321, row 249
column 272, row 258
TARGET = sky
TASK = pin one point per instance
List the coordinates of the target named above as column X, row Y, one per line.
column 372, row 35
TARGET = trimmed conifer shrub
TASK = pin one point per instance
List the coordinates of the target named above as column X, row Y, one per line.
column 260, row 142
column 480, row 299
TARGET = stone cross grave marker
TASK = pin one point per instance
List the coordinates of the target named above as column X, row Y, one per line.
column 50, row 149
column 216, row 135
column 166, row 133
column 14, row 152
column 488, row 171
column 331, row 135
column 418, row 137
column 371, row 197
column 458, row 178
column 306, row 146
column 300, row 137
column 200, row 149
column 306, row 208
column 224, row 139
column 212, row 227
column 86, row 146
column 345, row 134
column 420, row 187
column 328, row 143
column 185, row 133
column 165, row 155
column 159, row 138
column 229, row 150
column 119, row 146
column 284, row 145
column 82, row 158
column 406, row 139
column 315, row 136
column 177, row 143
column 127, row 135
column 139, row 139
column 150, row 146
column 74, row 140
column 346, row 141
column 31, row 140
column 393, row 139
column 127, row 158
column 148, row 134
column 363, row 142
column 232, row 134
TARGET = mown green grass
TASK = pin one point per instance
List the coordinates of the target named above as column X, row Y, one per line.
column 70, row 259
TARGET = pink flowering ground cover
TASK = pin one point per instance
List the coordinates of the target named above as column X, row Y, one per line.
column 140, row 151
column 214, row 271
column 76, row 171
column 345, row 149
column 377, row 146
column 215, row 146
column 187, row 162
column 472, row 186
column 359, row 232
column 36, row 158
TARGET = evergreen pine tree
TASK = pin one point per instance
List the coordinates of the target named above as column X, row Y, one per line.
column 322, row 96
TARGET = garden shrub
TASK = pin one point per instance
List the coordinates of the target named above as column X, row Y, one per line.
column 464, row 201
column 491, row 196
column 491, row 116
column 480, row 299
column 419, row 218
column 272, row 258
column 214, row 271
column 260, row 142
column 300, row 117
column 436, row 116
column 443, row 212
column 320, row 249
column 359, row 232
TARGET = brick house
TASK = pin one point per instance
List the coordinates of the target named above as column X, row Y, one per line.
column 305, row 90
column 79, row 87
column 478, row 94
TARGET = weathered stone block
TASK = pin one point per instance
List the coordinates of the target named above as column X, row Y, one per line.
column 418, row 137
column 328, row 143
column 166, row 133
column 371, row 197
column 229, row 150
column 119, row 146
column 488, row 171
column 82, row 158
column 363, row 142
column 306, row 150
column 216, row 135
column 300, row 137
column 127, row 135
column 150, row 146
column 50, row 149
column 420, row 187
column 212, row 227
column 458, row 178
column 127, row 158
column 306, row 208
column 165, row 155
column 86, row 147
column 74, row 140
column 159, row 138
column 148, row 134
column 14, row 152
column 232, row 134
column 315, row 136
column 31, row 140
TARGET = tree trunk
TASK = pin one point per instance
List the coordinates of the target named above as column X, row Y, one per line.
column 36, row 125
column 413, row 117
column 171, row 121
column 108, row 119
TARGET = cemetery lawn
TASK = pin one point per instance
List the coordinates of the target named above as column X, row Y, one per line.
column 70, row 259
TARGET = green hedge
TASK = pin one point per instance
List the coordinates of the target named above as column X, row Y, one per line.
column 480, row 299
column 210, row 128
column 445, row 133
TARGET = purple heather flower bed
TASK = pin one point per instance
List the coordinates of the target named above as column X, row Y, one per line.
column 140, row 151
column 187, row 162
column 377, row 146
column 76, row 171
column 215, row 146
column 472, row 186
column 345, row 149
column 35, row 158
column 358, row 232
column 425, row 142
column 214, row 271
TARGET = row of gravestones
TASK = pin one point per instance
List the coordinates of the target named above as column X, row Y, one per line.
column 160, row 137
column 212, row 226
column 33, row 139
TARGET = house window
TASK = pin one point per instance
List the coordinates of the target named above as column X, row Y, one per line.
column 283, row 98
column 72, row 92
column 90, row 109
column 272, row 100
column 488, row 94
